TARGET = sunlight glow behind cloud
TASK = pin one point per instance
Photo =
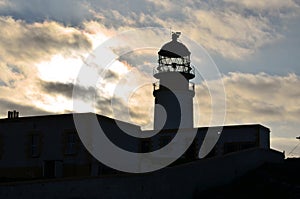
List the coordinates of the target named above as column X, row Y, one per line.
column 59, row 69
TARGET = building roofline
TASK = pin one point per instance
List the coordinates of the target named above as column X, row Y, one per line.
column 3, row 120
column 22, row 118
column 225, row 126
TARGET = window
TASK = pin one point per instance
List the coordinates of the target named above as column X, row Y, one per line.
column 52, row 168
column 1, row 147
column 71, row 143
column 35, row 145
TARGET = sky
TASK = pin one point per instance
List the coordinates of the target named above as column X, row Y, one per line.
column 254, row 43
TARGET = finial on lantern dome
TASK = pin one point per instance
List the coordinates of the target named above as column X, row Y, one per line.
column 175, row 35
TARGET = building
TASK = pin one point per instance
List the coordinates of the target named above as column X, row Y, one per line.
column 46, row 146
column 49, row 146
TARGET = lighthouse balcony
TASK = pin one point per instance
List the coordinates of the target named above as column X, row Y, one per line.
column 157, row 86
column 187, row 71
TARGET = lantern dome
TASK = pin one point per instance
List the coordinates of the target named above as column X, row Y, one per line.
column 174, row 48
column 174, row 57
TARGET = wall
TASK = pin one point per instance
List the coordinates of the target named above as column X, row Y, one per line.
column 16, row 161
column 185, row 181
column 257, row 135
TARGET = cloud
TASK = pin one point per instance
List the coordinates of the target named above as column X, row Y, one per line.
column 66, row 89
column 254, row 98
column 23, row 46
column 66, row 11
column 232, row 34
column 250, row 98
column 270, row 100
column 22, row 108
column 266, row 5
column 261, row 98
column 119, row 93
column 224, row 28
column 142, row 59
column 3, row 3
column 232, row 28
column 22, row 42
column 288, row 145
column 10, row 74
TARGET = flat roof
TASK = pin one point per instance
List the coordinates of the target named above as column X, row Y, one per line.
column 67, row 115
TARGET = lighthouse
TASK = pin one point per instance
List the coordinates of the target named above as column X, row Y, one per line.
column 173, row 91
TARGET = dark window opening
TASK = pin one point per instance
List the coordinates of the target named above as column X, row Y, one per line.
column 71, row 144
column 35, row 145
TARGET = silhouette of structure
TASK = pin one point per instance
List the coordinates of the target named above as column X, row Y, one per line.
column 173, row 93
column 49, row 146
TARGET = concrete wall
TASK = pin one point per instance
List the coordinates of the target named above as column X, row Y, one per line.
column 185, row 181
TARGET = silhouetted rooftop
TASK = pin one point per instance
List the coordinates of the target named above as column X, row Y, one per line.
column 174, row 49
column 66, row 115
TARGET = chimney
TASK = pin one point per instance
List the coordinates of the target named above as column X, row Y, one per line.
column 9, row 114
column 12, row 114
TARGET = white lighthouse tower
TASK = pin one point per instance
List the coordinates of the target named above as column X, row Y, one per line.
column 173, row 92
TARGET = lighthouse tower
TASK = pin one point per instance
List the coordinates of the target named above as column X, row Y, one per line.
column 173, row 92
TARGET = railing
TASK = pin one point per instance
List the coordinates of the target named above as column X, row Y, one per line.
column 156, row 86
column 181, row 69
column 191, row 86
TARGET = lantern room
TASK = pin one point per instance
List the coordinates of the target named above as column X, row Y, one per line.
column 174, row 57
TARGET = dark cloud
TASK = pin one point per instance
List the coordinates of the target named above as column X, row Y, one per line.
column 143, row 60
column 111, row 75
column 2, row 83
column 139, row 57
column 15, row 69
column 68, row 12
column 297, row 2
column 66, row 89
column 103, row 104
column 227, row 27
column 6, row 105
